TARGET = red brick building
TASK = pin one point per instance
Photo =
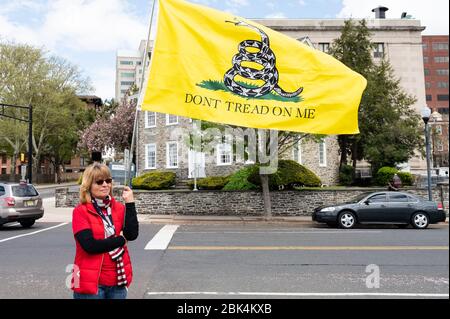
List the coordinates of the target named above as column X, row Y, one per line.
column 435, row 61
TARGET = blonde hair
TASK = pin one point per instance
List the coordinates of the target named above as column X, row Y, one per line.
column 92, row 173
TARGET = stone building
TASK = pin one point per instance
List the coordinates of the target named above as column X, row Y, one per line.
column 161, row 137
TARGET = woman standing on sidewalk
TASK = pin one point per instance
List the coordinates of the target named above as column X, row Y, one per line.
column 101, row 227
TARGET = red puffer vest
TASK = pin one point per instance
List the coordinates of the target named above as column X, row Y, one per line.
column 87, row 267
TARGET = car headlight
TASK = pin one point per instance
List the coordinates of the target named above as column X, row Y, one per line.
column 328, row 209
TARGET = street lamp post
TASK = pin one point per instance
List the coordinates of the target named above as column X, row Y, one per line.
column 426, row 113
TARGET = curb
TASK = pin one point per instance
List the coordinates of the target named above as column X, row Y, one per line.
column 223, row 219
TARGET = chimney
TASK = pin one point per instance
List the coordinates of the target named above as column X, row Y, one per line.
column 380, row 12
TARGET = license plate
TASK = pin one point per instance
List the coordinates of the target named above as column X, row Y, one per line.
column 30, row 203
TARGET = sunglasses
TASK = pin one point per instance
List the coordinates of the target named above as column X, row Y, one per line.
column 101, row 181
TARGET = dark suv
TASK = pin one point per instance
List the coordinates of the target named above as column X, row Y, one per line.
column 20, row 202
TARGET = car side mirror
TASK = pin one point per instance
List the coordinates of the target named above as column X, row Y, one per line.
column 367, row 202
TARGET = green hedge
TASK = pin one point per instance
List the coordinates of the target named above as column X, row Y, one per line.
column 154, row 181
column 210, row 183
column 239, row 181
column 407, row 178
column 385, row 175
column 289, row 174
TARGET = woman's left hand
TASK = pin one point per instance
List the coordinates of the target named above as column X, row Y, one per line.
column 127, row 195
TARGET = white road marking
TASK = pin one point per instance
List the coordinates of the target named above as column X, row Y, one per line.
column 162, row 239
column 300, row 294
column 33, row 233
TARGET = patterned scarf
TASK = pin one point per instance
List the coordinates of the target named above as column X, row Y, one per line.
column 110, row 231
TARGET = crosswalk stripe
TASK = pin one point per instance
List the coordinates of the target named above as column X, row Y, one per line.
column 162, row 239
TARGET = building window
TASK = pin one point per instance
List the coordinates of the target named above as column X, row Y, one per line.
column 224, row 154
column 172, row 154
column 427, row 71
column 429, row 97
column 297, row 152
column 171, row 119
column 127, row 74
column 322, row 153
column 126, row 62
column 443, row 72
column 150, row 119
column 440, row 146
column 428, row 85
column 425, row 59
column 126, row 83
column 324, row 47
column 441, row 59
column 442, row 85
column 443, row 110
column 438, row 130
column 378, row 50
column 150, row 156
column 425, row 46
column 442, row 97
column 440, row 46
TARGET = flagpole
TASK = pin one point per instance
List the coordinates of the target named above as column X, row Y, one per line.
column 128, row 169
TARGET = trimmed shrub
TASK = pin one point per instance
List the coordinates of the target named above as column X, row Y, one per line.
column 154, row 181
column 289, row 174
column 238, row 181
column 407, row 178
column 384, row 175
column 346, row 175
column 210, row 183
column 80, row 179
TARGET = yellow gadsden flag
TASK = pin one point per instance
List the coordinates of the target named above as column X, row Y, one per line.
column 214, row 66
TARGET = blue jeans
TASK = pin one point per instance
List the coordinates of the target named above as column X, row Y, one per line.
column 105, row 292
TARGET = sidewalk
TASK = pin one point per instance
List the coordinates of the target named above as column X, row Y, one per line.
column 43, row 186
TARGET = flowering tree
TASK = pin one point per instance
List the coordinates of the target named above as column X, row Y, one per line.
column 110, row 131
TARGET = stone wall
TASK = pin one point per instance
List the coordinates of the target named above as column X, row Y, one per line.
column 239, row 203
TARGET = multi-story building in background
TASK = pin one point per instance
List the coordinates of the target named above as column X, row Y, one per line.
column 435, row 60
column 129, row 70
column 398, row 40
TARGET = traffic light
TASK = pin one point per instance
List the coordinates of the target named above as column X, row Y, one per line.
column 22, row 157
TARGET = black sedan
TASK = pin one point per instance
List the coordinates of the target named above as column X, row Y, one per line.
column 397, row 208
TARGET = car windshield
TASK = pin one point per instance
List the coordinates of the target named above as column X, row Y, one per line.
column 24, row 191
column 357, row 198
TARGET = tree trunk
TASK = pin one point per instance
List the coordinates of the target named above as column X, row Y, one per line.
column 266, row 195
column 12, row 175
column 354, row 160
column 343, row 142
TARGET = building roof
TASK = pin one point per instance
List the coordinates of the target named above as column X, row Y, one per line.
column 128, row 54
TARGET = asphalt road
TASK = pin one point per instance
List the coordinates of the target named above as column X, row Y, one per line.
column 254, row 261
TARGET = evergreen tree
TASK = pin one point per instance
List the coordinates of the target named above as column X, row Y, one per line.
column 389, row 128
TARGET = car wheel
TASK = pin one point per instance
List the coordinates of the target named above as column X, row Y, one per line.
column 420, row 220
column 27, row 223
column 346, row 220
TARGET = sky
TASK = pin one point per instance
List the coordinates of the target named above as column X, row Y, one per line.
column 88, row 33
